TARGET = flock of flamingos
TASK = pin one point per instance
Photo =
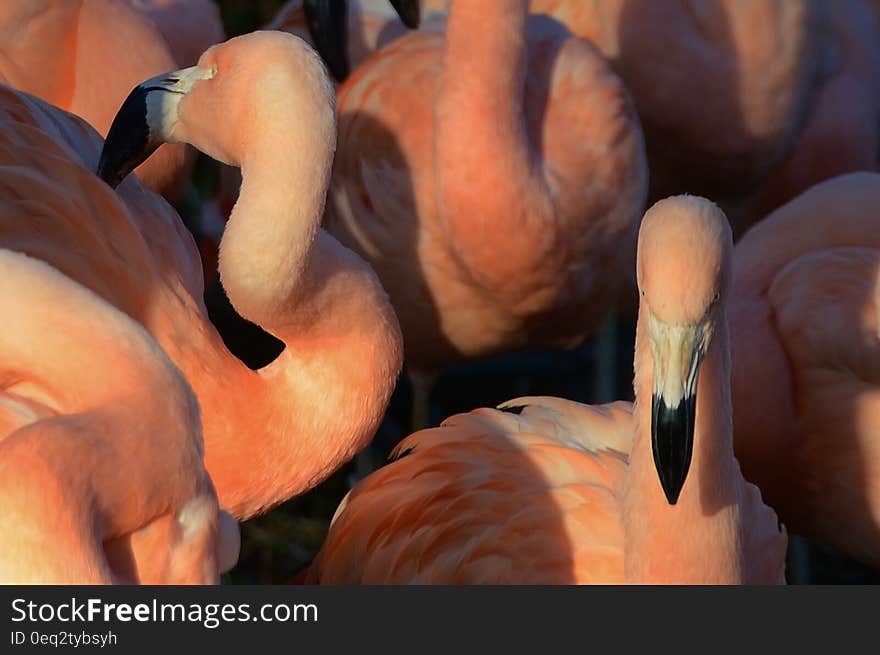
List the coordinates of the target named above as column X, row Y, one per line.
column 460, row 179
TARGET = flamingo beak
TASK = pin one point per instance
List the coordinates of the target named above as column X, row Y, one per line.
column 327, row 21
column 145, row 121
column 328, row 26
column 678, row 352
column 409, row 12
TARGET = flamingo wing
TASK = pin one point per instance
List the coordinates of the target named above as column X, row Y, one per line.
column 525, row 494
column 826, row 309
column 106, row 483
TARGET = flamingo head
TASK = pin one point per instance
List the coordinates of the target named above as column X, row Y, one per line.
column 683, row 269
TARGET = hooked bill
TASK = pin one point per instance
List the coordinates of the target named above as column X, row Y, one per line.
column 130, row 136
column 673, row 432
column 678, row 351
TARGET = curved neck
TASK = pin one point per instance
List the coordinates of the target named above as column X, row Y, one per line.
column 269, row 237
column 484, row 62
column 689, row 541
column 480, row 132
column 305, row 414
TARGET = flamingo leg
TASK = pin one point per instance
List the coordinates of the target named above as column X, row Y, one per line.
column 605, row 370
column 798, row 568
column 422, row 385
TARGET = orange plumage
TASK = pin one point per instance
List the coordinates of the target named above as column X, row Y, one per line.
column 272, row 433
column 494, row 183
column 548, row 491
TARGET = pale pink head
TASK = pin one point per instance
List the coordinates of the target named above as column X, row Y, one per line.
column 278, row 74
column 683, row 268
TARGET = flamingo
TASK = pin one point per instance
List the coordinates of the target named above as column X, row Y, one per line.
column 778, row 95
column 790, row 86
column 721, row 87
column 74, row 444
column 841, row 133
column 371, row 23
column 263, row 102
column 59, row 51
column 806, row 362
column 544, row 490
column 272, row 433
column 495, row 184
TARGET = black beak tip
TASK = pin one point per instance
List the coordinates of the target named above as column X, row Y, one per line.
column 103, row 172
column 672, row 491
column 128, row 141
column 108, row 170
column 327, row 21
column 409, row 12
column 672, row 432
column 338, row 66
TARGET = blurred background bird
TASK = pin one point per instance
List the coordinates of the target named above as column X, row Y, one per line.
column 805, row 323
column 61, row 51
column 461, row 176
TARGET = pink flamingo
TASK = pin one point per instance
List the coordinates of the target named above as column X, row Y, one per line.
column 806, row 362
column 91, row 409
column 272, row 433
column 494, row 184
column 720, row 85
column 841, row 133
column 776, row 96
column 545, row 490
column 263, row 102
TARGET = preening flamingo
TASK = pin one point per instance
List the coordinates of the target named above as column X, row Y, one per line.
column 494, row 183
column 263, row 102
column 101, row 472
column 545, row 490
column 59, row 51
column 272, row 433
column 806, row 362
column 372, row 23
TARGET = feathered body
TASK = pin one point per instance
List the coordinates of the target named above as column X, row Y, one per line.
column 806, row 362
column 548, row 491
column 493, row 183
